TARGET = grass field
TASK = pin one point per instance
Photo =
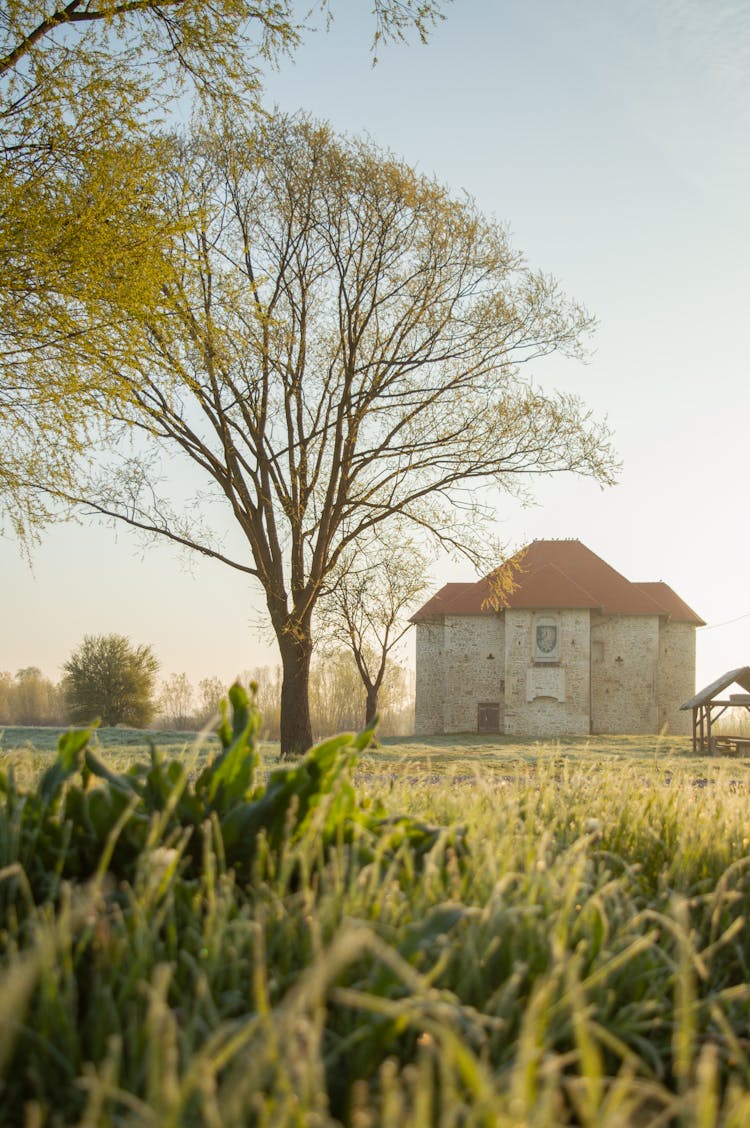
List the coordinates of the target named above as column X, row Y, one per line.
column 31, row 749
column 559, row 942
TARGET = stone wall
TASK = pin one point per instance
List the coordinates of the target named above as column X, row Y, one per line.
column 472, row 677
column 430, row 680
column 676, row 676
column 546, row 699
column 459, row 668
column 624, row 673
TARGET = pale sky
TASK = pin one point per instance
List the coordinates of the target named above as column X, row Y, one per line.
column 612, row 139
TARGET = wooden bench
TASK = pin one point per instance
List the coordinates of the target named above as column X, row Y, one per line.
column 736, row 743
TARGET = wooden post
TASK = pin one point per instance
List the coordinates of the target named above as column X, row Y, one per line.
column 711, row 749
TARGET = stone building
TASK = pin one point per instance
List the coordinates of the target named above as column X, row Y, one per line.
column 576, row 648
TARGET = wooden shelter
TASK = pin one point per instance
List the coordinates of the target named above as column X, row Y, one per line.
column 710, row 704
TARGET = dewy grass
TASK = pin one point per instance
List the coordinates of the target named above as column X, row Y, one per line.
column 459, row 754
column 578, row 956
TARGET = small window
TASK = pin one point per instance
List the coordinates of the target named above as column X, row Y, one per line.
column 546, row 640
column 488, row 717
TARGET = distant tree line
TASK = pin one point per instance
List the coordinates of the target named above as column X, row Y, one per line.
column 337, row 698
column 30, row 698
column 109, row 678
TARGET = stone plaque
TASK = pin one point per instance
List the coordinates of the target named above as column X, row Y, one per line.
column 545, row 681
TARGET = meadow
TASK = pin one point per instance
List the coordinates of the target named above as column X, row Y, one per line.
column 450, row 933
column 31, row 748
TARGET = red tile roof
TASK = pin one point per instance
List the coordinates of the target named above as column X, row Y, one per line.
column 553, row 574
column 675, row 607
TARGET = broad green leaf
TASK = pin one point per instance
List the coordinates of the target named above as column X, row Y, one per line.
column 70, row 747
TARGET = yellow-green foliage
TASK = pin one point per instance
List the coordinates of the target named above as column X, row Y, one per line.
column 83, row 90
column 580, row 956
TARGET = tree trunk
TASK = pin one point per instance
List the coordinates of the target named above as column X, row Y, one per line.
column 371, row 704
column 296, row 729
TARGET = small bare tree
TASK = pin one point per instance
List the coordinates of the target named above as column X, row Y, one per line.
column 366, row 607
column 211, row 691
column 176, row 702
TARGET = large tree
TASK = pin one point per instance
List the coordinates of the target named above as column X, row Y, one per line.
column 80, row 247
column 82, row 86
column 339, row 345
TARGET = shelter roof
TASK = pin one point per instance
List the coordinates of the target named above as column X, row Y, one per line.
column 741, row 676
column 556, row 574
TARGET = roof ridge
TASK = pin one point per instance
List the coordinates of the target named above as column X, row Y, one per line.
column 561, row 573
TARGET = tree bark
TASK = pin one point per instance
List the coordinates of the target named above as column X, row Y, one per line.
column 296, row 728
column 371, row 704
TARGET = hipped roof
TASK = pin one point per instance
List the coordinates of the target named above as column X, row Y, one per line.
column 740, row 676
column 556, row 574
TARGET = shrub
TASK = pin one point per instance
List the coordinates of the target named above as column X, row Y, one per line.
column 108, row 679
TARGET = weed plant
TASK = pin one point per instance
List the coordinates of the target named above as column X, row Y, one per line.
column 571, row 947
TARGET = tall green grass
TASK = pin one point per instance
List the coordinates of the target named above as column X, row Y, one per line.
column 576, row 954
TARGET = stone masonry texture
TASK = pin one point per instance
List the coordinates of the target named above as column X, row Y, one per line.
column 611, row 673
